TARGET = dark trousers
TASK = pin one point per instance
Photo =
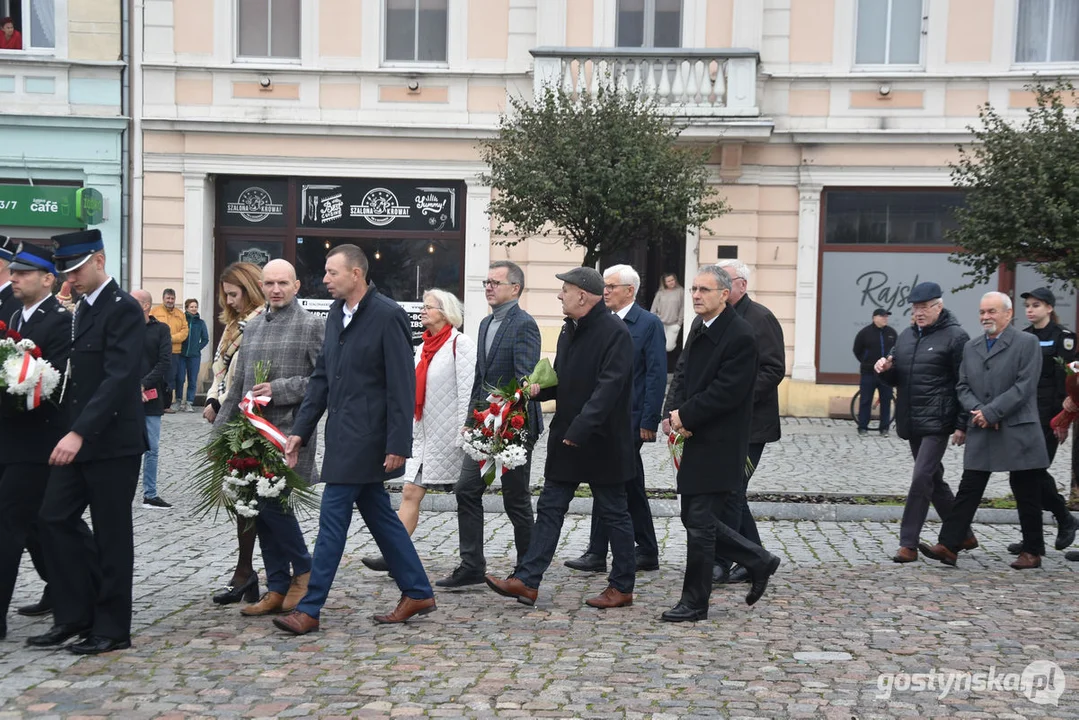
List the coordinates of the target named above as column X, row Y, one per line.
column 515, row 498
column 335, row 516
column 927, row 487
column 644, row 532
column 707, row 534
column 609, row 503
column 870, row 382
column 740, row 518
column 22, row 488
column 284, row 551
column 187, row 371
column 1027, row 489
column 1051, row 498
column 91, row 573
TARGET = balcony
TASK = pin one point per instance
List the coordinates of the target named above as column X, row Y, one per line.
column 696, row 84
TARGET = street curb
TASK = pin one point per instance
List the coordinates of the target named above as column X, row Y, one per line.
column 825, row 512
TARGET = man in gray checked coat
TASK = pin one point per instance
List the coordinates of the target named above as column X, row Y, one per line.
column 288, row 339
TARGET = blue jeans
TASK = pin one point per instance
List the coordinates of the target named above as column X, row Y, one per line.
column 187, row 369
column 335, row 515
column 176, row 376
column 282, row 545
column 149, row 458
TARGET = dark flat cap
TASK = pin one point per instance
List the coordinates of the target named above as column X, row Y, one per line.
column 33, row 257
column 924, row 292
column 588, row 279
column 1044, row 294
column 881, row 312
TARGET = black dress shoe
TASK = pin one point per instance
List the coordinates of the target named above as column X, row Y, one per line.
column 760, row 580
column 41, row 607
column 647, row 562
column 1066, row 532
column 95, row 645
column 738, row 574
column 1072, row 555
column 461, row 577
column 1015, row 548
column 378, row 563
column 684, row 613
column 58, row 635
column 719, row 574
column 589, row 562
column 248, row 592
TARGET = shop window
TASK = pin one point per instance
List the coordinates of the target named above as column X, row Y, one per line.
column 268, row 28
column 1047, row 31
column 889, row 32
column 890, row 217
column 416, row 30
column 32, row 27
column 649, row 24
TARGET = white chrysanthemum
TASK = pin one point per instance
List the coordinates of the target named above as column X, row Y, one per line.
column 247, row 510
column 270, row 487
column 513, row 456
column 12, row 369
column 25, row 345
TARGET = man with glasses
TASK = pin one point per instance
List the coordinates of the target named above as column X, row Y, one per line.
column 508, row 347
column 925, row 370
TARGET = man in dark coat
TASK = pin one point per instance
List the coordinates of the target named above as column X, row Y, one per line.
column 365, row 378
column 873, row 342
column 27, row 437
column 621, row 283
column 507, row 349
column 711, row 407
column 591, row 440
column 96, row 463
column 925, row 369
column 156, row 361
column 9, row 304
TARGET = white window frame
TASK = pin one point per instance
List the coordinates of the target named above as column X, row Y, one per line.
column 886, row 66
column 450, row 6
column 650, row 25
column 264, row 59
column 60, row 32
column 1035, row 64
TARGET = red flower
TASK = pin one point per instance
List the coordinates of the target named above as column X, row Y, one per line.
column 507, row 434
column 487, row 432
column 3, row 326
column 477, row 415
column 268, row 475
column 35, row 352
column 493, row 409
column 14, row 335
column 517, row 421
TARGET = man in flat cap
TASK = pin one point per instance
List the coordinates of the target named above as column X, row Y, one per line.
column 27, row 437
column 96, row 463
column 591, row 440
column 9, row 304
column 925, row 368
column 873, row 342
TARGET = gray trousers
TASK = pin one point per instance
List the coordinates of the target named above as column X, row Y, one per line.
column 926, row 486
column 515, row 498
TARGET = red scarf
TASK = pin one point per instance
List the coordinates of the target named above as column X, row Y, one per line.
column 431, row 345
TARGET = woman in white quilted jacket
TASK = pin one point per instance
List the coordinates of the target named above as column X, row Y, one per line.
column 445, row 370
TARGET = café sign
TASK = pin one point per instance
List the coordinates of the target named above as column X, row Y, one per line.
column 49, row 206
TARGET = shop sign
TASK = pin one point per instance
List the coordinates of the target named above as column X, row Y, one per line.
column 89, row 206
column 321, row 307
column 49, row 206
column 419, row 206
column 252, row 202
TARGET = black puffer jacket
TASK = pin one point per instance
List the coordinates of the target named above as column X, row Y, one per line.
column 925, row 372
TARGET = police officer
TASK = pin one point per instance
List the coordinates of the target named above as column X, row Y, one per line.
column 27, row 437
column 1057, row 342
column 96, row 463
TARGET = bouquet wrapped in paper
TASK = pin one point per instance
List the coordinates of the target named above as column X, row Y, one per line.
column 497, row 436
column 23, row 372
column 1065, row 418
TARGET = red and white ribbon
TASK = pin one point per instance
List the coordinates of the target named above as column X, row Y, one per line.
column 29, row 364
column 672, row 446
column 495, row 420
column 249, row 406
column 489, row 463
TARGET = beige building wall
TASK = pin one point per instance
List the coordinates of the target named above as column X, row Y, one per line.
column 94, row 31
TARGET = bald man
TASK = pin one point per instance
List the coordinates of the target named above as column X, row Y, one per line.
column 156, row 359
column 287, row 339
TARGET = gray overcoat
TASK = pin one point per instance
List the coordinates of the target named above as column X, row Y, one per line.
column 1003, row 384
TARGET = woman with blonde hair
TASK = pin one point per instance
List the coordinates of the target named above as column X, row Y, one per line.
column 445, row 370
column 241, row 299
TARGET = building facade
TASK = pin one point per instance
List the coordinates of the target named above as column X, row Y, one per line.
column 280, row 128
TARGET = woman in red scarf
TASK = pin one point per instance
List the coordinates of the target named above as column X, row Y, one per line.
column 10, row 38
column 445, row 370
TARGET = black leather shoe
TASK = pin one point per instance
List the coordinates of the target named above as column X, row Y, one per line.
column 589, row 562
column 1072, row 555
column 95, row 645
column 719, row 575
column 58, row 635
column 1066, row 532
column 760, row 580
column 41, row 607
column 248, row 592
column 684, row 613
column 1015, row 548
column 647, row 562
column 738, row 574
column 377, row 563
column 461, row 577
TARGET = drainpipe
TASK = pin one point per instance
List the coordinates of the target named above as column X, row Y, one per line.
column 136, row 143
column 125, row 147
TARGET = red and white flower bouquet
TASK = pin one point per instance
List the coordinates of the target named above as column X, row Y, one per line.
column 23, row 372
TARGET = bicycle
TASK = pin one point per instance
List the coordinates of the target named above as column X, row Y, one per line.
column 855, row 402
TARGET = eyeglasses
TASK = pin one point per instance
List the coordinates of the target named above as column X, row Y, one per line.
column 916, row 309
column 612, row 287
column 429, row 308
column 494, row 283
column 698, row 288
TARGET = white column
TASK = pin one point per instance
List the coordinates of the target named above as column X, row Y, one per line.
column 805, row 301
column 477, row 255
column 748, row 25
column 693, row 261
column 198, row 280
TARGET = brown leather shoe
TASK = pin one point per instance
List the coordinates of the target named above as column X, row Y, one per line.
column 296, row 590
column 1027, row 561
column 612, row 597
column 297, row 623
column 514, row 588
column 969, row 544
column 905, row 555
column 270, row 603
column 938, row 552
column 406, row 608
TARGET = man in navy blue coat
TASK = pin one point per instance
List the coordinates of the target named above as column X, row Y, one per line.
column 365, row 379
column 621, row 283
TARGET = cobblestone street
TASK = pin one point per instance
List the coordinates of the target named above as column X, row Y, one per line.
column 839, row 627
